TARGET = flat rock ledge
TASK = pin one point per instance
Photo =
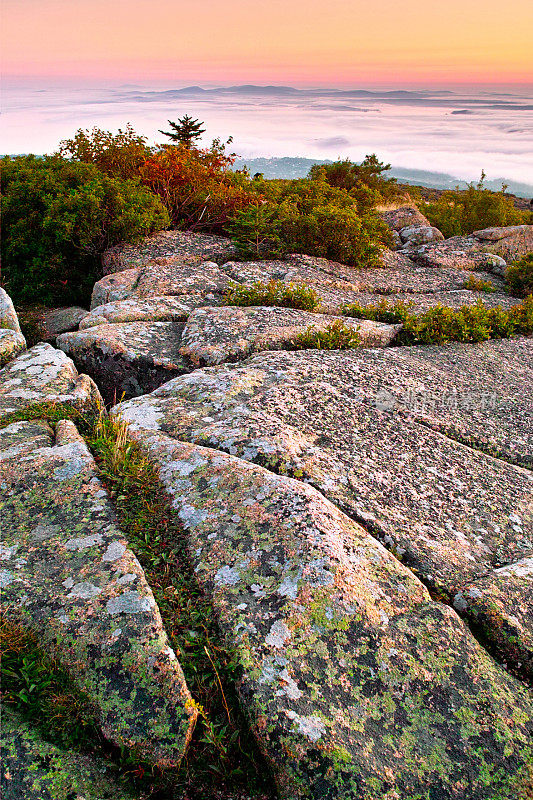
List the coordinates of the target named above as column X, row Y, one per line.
column 68, row 575
column 127, row 359
column 422, row 445
column 229, row 333
column 355, row 682
column 44, row 374
column 34, row 769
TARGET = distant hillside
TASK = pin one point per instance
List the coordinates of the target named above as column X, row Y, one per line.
column 289, row 167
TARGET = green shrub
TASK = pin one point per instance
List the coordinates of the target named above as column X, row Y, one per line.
column 479, row 285
column 275, row 293
column 336, row 336
column 438, row 325
column 519, row 276
column 365, row 181
column 58, row 217
column 458, row 213
column 308, row 216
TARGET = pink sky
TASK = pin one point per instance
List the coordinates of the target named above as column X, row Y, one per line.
column 340, row 42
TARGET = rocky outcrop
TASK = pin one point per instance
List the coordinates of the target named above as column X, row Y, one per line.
column 69, row 576
column 11, row 344
column 356, row 684
column 510, row 243
column 34, row 769
column 152, row 309
column 398, row 438
column 190, row 248
column 404, row 217
column 214, row 335
column 127, row 359
column 487, row 249
column 60, row 320
column 45, row 375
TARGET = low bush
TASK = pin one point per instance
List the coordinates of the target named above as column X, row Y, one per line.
column 336, row 336
column 438, row 325
column 58, row 217
column 459, row 212
column 275, row 293
column 119, row 155
column 519, row 276
column 479, row 285
column 366, row 182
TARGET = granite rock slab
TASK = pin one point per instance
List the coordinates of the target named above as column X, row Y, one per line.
column 355, row 682
column 230, row 333
column 69, row 576
column 114, row 288
column 60, row 320
column 129, row 358
column 419, row 302
column 34, row 769
column 191, row 248
column 44, row 374
column 422, row 445
column 404, row 217
column 511, row 243
column 170, row 276
column 151, row 309
column 11, row 344
column 8, row 315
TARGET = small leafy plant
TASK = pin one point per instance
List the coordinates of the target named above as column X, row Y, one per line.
column 438, row 325
column 479, row 285
column 519, row 276
column 336, row 336
column 274, row 293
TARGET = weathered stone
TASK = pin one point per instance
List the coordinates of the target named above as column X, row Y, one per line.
column 60, row 320
column 420, row 302
column 356, row 683
column 170, row 276
column 44, row 374
column 128, row 358
column 229, row 333
column 8, row 315
column 190, row 248
column 115, row 287
column 510, row 243
column 414, row 236
column 406, row 216
column 68, row 574
column 459, row 252
column 399, row 438
column 11, row 344
column 34, row 769
column 153, row 309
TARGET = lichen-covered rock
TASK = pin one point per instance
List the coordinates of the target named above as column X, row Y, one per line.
column 151, row 309
column 129, row 358
column 115, row 287
column 170, row 276
column 510, row 243
column 190, row 248
column 60, row 320
column 229, row 333
column 399, row 438
column 356, row 684
column 34, row 769
column 404, row 217
column 414, row 236
column 8, row 315
column 68, row 574
column 44, row 374
column 460, row 252
column 456, row 298
column 11, row 344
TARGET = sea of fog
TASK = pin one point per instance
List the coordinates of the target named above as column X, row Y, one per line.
column 454, row 132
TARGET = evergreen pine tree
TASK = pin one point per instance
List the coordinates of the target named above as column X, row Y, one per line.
column 185, row 131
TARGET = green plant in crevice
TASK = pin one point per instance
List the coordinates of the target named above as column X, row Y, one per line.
column 335, row 336
column 519, row 276
column 274, row 293
column 475, row 284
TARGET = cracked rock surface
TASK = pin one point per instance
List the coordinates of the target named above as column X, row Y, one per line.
column 355, row 682
column 383, row 433
column 67, row 574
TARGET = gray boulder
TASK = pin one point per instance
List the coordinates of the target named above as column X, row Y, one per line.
column 69, row 576
column 8, row 315
column 11, row 344
column 404, row 217
column 60, row 320
column 45, row 375
column 128, row 358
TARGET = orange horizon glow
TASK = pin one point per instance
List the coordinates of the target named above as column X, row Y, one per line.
column 299, row 42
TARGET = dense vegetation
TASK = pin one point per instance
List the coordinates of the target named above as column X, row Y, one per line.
column 519, row 276
column 461, row 212
column 438, row 325
column 100, row 188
